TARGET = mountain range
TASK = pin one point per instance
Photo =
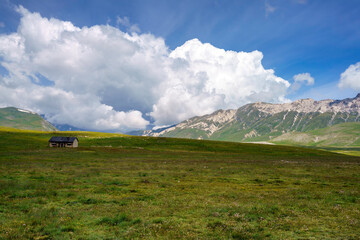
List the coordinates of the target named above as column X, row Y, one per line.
column 302, row 122
column 265, row 121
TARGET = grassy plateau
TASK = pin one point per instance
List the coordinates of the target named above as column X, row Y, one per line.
column 341, row 138
column 121, row 187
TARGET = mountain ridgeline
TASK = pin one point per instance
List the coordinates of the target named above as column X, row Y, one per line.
column 23, row 119
column 264, row 121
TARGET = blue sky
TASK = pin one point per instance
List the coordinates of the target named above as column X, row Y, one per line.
column 318, row 37
column 315, row 36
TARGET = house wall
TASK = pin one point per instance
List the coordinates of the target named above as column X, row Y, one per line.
column 74, row 144
column 51, row 144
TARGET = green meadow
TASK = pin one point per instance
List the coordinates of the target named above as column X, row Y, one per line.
column 121, row 187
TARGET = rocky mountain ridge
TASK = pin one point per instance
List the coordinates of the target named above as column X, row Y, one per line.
column 264, row 121
column 309, row 105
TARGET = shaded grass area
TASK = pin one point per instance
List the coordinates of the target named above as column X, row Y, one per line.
column 121, row 187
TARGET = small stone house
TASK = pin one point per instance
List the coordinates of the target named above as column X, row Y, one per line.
column 63, row 142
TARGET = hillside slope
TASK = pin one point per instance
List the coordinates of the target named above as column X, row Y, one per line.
column 344, row 134
column 23, row 119
column 265, row 121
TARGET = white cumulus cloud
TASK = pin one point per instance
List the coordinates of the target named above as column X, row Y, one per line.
column 300, row 79
column 205, row 78
column 304, row 77
column 101, row 78
column 351, row 77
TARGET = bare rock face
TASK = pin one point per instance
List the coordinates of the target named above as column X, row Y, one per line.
column 210, row 123
column 265, row 120
column 309, row 105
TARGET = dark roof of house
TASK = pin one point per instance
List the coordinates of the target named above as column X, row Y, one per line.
column 63, row 139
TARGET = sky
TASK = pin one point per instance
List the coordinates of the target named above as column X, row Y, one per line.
column 127, row 65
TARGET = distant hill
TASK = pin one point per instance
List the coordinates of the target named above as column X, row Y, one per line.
column 23, row 119
column 339, row 135
column 264, row 121
column 67, row 127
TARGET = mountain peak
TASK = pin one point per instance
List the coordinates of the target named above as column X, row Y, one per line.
column 305, row 100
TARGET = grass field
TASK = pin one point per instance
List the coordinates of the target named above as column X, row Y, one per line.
column 346, row 135
column 121, row 187
column 341, row 138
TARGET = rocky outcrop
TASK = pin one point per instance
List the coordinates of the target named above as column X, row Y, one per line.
column 309, row 105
